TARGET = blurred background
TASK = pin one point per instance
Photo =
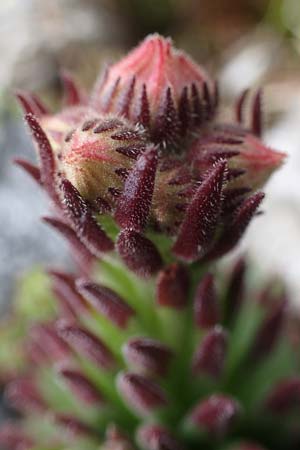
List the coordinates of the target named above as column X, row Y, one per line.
column 242, row 42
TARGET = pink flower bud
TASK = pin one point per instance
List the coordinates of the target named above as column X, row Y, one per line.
column 242, row 149
column 160, row 87
column 98, row 154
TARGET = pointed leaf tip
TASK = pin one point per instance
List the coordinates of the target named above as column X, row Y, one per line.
column 256, row 120
column 72, row 93
column 86, row 344
column 215, row 415
column 269, row 331
column 210, row 356
column 106, row 302
column 86, row 227
column 81, row 387
column 134, row 204
column 235, row 229
column 141, row 393
column 47, row 160
column 172, row 286
column 206, row 308
column 139, row 253
column 147, row 355
column 201, row 218
column 284, row 396
column 157, row 437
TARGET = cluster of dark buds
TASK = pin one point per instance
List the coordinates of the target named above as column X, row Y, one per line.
column 148, row 348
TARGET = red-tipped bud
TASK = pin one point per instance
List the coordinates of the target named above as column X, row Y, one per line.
column 134, row 204
column 106, row 302
column 147, row 355
column 142, row 395
column 235, row 229
column 201, row 218
column 157, row 437
column 284, row 396
column 86, row 345
column 160, row 87
column 81, row 387
column 88, row 230
column 46, row 155
column 23, row 395
column 215, row 415
column 139, row 253
column 97, row 156
column 242, row 149
column 172, row 286
column 210, row 356
column 206, row 308
column 258, row 160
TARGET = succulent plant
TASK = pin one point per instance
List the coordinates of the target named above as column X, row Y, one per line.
column 150, row 344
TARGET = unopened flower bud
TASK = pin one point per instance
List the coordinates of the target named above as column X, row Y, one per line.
column 242, row 149
column 160, row 87
column 98, row 154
